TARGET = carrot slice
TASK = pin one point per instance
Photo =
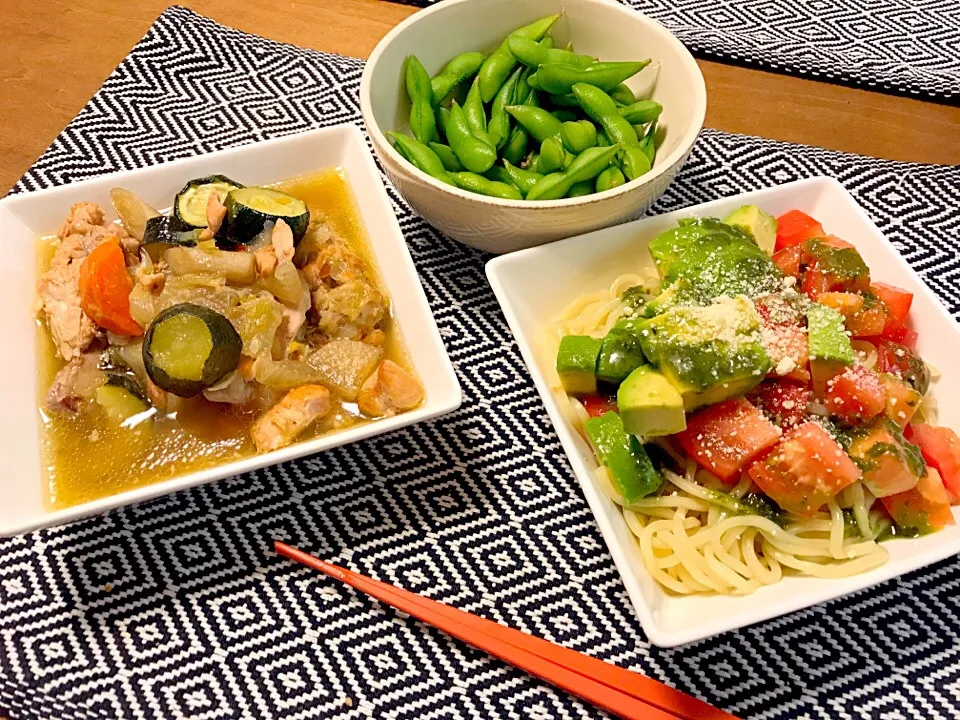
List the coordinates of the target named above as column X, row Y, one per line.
column 105, row 287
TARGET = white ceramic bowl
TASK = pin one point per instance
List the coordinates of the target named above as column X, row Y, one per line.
column 602, row 28
column 533, row 286
column 24, row 218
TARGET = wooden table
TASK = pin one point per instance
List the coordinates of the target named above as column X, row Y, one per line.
column 55, row 54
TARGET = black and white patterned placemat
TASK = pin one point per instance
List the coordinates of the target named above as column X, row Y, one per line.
column 177, row 608
column 907, row 47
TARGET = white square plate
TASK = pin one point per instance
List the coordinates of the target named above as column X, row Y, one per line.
column 533, row 286
column 24, row 218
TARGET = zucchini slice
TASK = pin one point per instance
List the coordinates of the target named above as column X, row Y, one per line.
column 189, row 348
column 190, row 205
column 248, row 209
column 121, row 398
column 167, row 231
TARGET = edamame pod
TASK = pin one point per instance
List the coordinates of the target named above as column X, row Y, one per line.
column 580, row 189
column 552, row 156
column 578, row 136
column 500, row 174
column 455, row 72
column 422, row 122
column 623, row 95
column 559, row 79
column 484, row 186
column 610, row 178
column 634, row 162
column 536, row 121
column 648, row 143
column 564, row 115
column 476, row 155
column 534, row 54
column 586, row 166
column 447, row 156
column 420, row 156
column 603, row 110
column 495, row 69
column 499, row 126
column 516, row 148
column 640, row 112
column 475, row 114
column 523, row 179
column 564, row 101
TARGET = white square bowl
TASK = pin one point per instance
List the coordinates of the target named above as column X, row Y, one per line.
column 533, row 286
column 24, row 218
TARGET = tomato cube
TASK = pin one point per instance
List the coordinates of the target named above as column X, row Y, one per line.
column 597, row 405
column 897, row 332
column 805, row 470
column 855, row 395
column 724, row 437
column 783, row 403
column 902, row 400
column 832, row 265
column 925, row 508
column 788, row 260
column 903, row 362
column 941, row 449
column 794, row 227
column 889, row 463
column 896, row 300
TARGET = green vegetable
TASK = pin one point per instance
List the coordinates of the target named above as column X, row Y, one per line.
column 602, row 109
column 475, row 114
column 578, row 136
column 577, row 363
column 476, row 155
column 761, row 225
column 419, row 90
column 498, row 128
column 580, row 189
column 533, row 54
column 648, row 142
column 539, row 123
column 421, row 156
column 442, row 116
column 631, row 469
column 449, row 158
column 586, row 166
column 189, row 348
column 564, row 115
column 121, row 398
column 248, row 209
column 610, row 178
column 479, row 184
column 498, row 66
column 564, row 101
column 166, row 231
column 523, row 179
column 552, row 156
column 649, row 404
column 602, row 139
column 190, row 205
column 620, row 355
column 642, row 111
column 455, row 72
column 623, row 95
column 559, row 79
column 516, row 148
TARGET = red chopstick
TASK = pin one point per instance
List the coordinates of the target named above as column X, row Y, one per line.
column 622, row 692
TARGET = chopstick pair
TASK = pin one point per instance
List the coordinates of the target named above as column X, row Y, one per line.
column 619, row 691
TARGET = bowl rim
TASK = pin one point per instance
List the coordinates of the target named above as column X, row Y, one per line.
column 381, row 143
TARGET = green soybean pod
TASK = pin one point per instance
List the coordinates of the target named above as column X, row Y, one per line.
column 640, row 112
column 484, row 186
column 536, row 121
column 447, row 156
column 455, row 72
column 585, row 187
column 474, row 112
column 422, row 122
column 552, row 156
column 623, row 95
column 500, row 174
column 534, row 54
column 546, row 42
column 559, row 79
column 648, row 142
column 610, row 178
column 500, row 63
column 602, row 109
column 586, row 166
column 602, row 139
column 476, row 155
column 442, row 115
column 516, row 148
column 420, row 156
column 499, row 126
column 564, row 115
column 578, row 136
column 564, row 101
column 523, row 179
column 634, row 162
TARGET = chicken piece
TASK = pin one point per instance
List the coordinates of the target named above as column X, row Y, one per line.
column 388, row 389
column 84, row 229
column 74, row 382
column 334, row 264
column 232, row 390
column 280, row 425
column 216, row 212
column 291, row 321
column 349, row 311
column 279, row 250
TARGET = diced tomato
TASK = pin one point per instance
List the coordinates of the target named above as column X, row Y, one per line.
column 890, row 463
column 844, row 303
column 903, row 362
column 105, row 286
column 788, row 260
column 789, row 351
column 828, row 266
column 902, row 400
column 775, row 309
column 597, row 405
column 855, row 395
column 835, row 242
column 867, row 322
column 794, row 227
column 806, row 470
column 897, row 301
column 897, row 332
column 924, row 508
column 783, row 403
column 724, row 437
column 941, row 449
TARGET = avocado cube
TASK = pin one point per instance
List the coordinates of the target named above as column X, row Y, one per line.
column 830, row 348
column 577, row 363
column 620, row 355
column 650, row 406
column 631, row 469
column 708, row 353
column 761, row 225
